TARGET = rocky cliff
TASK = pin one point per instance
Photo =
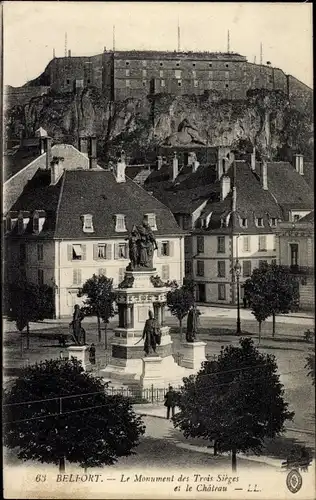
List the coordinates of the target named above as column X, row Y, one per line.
column 265, row 119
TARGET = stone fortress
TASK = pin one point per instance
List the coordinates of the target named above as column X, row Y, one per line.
column 137, row 74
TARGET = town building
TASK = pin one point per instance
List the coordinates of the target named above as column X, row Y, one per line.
column 134, row 73
column 295, row 249
column 67, row 225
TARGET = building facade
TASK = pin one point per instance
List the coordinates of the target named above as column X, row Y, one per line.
column 62, row 230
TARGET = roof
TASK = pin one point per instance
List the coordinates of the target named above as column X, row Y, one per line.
column 17, row 161
column 308, row 219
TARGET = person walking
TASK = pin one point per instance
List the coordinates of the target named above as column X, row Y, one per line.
column 170, row 402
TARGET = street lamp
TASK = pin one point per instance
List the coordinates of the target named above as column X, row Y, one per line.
column 237, row 269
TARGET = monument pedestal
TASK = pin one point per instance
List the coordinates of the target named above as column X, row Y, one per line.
column 152, row 372
column 193, row 355
column 80, row 352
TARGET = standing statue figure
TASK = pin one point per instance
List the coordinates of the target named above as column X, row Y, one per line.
column 142, row 245
column 133, row 248
column 151, row 334
column 78, row 333
column 192, row 324
column 151, row 244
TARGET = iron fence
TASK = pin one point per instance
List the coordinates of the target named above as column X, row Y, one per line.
column 141, row 395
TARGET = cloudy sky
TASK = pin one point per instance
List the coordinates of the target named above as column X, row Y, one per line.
column 33, row 29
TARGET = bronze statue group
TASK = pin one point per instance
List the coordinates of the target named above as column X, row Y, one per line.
column 142, row 244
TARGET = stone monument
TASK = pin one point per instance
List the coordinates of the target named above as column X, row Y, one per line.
column 79, row 349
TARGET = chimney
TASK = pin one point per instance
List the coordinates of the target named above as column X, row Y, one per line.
column 159, row 162
column 225, row 186
column 69, row 53
column 253, row 159
column 119, row 169
column 195, row 166
column 175, row 167
column 48, row 152
column 264, row 174
column 220, row 168
column 42, row 145
column 92, row 152
column 299, row 163
column 83, row 145
column 234, row 199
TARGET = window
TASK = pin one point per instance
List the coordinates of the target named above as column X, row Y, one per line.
column 88, row 81
column 179, row 83
column 87, row 223
column 144, row 83
column 194, row 74
column 210, row 85
column 210, row 65
column 161, row 73
column 200, row 268
column 20, row 224
column 161, row 64
column 68, row 81
column 196, row 83
column 262, row 243
column 127, row 63
column 122, row 251
column 246, row 243
column 178, row 64
column 8, row 223
column 165, row 248
column 220, row 244
column 294, row 254
column 200, row 244
column 226, row 85
column 127, row 83
column 188, row 267
column 22, row 252
column 273, row 222
column 296, row 218
column 177, row 73
column 35, row 223
column 162, row 83
column 273, row 262
column 102, row 251
column 102, row 271
column 127, row 73
column 151, row 221
column 226, row 65
column 40, row 277
column 165, row 272
column 77, row 252
column 144, row 72
column 120, row 223
column 244, row 222
column 246, row 268
column 226, row 75
column 144, row 63
column 221, row 269
column 259, row 222
column 76, row 277
column 221, row 292
column 40, row 252
column 193, row 64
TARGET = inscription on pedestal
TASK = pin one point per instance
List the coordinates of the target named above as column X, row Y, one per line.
column 136, row 352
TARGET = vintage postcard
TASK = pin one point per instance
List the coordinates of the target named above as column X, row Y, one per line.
column 158, row 229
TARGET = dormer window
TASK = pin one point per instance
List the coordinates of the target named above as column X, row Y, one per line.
column 151, row 221
column 120, row 223
column 8, row 224
column 35, row 222
column 87, row 223
column 259, row 222
column 20, row 224
column 243, row 222
column 273, row 222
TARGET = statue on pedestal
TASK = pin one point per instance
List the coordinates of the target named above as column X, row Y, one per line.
column 151, row 334
column 142, row 244
column 78, row 333
column 192, row 324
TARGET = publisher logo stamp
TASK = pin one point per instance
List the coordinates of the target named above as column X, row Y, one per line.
column 294, row 481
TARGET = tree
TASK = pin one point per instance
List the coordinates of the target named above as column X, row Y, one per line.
column 310, row 365
column 70, row 417
column 99, row 301
column 273, row 289
column 29, row 302
column 179, row 302
column 235, row 401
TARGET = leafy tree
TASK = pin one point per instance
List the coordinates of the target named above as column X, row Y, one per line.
column 235, row 401
column 29, row 302
column 273, row 289
column 99, row 301
column 70, row 417
column 179, row 302
column 310, row 365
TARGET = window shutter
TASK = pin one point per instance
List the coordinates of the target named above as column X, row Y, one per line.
column 165, row 272
column 69, row 252
column 121, row 274
column 159, row 245
column 84, row 252
column 74, row 276
column 171, row 248
column 116, row 251
column 108, row 251
column 79, row 276
column 95, row 252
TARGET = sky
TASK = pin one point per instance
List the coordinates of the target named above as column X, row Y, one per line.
column 33, row 29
